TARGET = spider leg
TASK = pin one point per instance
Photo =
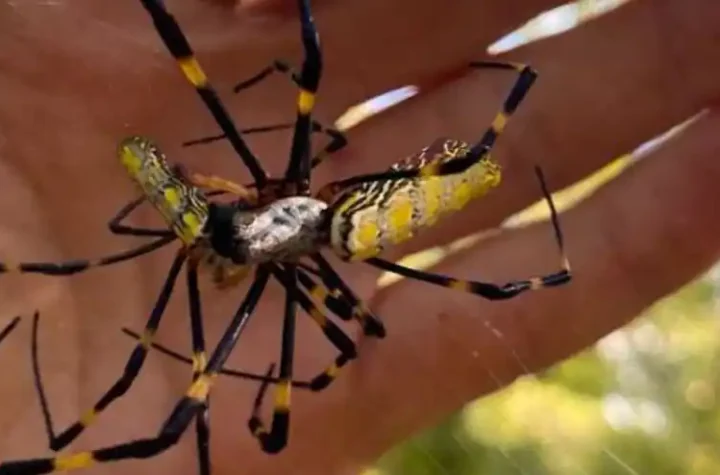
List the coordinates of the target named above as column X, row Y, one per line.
column 337, row 138
column 488, row 290
column 480, row 150
column 298, row 169
column 122, row 385
column 185, row 410
column 199, row 361
column 80, row 265
column 9, row 328
column 371, row 324
column 178, row 45
column 276, row 438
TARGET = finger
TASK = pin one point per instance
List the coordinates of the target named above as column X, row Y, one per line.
column 603, row 89
column 372, row 46
column 636, row 240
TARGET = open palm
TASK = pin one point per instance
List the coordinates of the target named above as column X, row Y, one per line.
column 75, row 79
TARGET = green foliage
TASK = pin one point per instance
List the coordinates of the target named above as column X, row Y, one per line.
column 643, row 400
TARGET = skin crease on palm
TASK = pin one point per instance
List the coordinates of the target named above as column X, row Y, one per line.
column 76, row 77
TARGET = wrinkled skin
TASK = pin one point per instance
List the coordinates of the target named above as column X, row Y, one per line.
column 76, row 77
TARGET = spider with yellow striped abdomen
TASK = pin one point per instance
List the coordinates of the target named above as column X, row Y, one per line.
column 276, row 227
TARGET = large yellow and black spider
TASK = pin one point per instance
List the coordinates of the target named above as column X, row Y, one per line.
column 276, row 228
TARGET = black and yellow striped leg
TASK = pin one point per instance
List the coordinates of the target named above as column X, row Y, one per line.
column 274, row 440
column 488, row 290
column 337, row 138
column 184, row 412
column 340, row 300
column 371, row 324
column 333, row 300
column 81, row 265
column 332, row 332
column 298, row 169
column 315, row 293
column 525, row 80
column 121, row 386
column 342, row 304
column 234, row 373
column 9, row 328
column 199, row 360
column 176, row 42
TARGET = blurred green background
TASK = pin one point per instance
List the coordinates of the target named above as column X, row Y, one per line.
column 642, row 401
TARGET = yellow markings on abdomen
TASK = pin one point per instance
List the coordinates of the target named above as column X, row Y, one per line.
column 365, row 235
column 399, row 218
column 458, row 195
column 372, row 218
column 182, row 205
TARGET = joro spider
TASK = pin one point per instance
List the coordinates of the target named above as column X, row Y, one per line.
column 273, row 226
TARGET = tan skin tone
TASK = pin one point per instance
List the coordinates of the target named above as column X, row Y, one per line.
column 75, row 78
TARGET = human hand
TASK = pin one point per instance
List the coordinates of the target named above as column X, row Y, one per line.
column 69, row 94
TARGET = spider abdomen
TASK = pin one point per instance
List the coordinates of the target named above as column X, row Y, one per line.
column 182, row 205
column 376, row 215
